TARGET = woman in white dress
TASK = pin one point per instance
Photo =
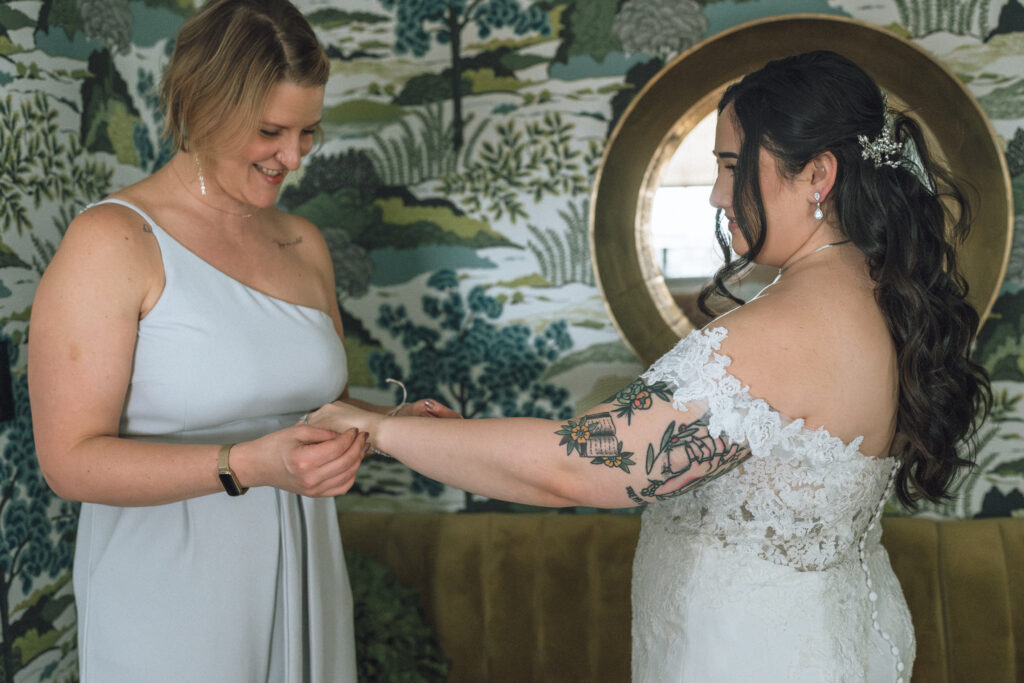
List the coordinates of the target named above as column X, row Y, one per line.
column 183, row 327
column 766, row 444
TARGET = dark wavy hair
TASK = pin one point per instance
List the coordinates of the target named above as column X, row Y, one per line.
column 907, row 222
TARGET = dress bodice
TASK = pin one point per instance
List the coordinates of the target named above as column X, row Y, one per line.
column 803, row 499
column 773, row 571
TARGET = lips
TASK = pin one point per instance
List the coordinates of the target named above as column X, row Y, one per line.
column 274, row 176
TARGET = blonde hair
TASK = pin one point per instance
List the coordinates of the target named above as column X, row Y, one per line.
column 226, row 59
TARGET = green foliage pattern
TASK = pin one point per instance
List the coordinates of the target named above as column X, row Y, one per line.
column 535, row 161
column 40, row 163
column 962, row 17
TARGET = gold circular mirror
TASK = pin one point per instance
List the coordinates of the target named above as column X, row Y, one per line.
column 649, row 290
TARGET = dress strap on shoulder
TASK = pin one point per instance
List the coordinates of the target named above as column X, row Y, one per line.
column 127, row 205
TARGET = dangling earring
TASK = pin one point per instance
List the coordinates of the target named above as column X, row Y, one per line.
column 199, row 173
column 817, row 211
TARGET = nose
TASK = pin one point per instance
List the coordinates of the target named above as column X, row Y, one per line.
column 721, row 192
column 290, row 153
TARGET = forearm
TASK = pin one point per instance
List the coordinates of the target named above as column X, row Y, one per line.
column 514, row 459
column 126, row 472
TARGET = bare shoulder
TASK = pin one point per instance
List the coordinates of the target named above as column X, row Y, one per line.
column 307, row 239
column 110, row 231
column 812, row 348
column 107, row 246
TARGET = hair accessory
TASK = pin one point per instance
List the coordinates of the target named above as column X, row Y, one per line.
column 199, row 174
column 883, row 150
column 817, row 211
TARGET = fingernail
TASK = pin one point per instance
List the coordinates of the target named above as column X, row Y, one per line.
column 428, row 403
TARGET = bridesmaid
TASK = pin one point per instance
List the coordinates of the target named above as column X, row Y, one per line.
column 183, row 327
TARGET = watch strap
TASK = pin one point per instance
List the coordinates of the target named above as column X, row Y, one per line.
column 226, row 474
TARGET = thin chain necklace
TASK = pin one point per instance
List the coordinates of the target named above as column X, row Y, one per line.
column 821, row 248
column 202, row 184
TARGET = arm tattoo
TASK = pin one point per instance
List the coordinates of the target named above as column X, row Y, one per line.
column 638, row 396
column 593, row 436
column 700, row 459
column 687, row 456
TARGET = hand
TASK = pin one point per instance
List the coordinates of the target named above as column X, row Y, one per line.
column 302, row 459
column 427, row 407
column 340, row 416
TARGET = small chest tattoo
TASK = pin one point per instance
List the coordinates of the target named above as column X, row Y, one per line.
column 292, row 243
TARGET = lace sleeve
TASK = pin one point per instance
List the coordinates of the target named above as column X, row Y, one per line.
column 697, row 372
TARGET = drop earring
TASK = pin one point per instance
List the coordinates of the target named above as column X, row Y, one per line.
column 199, row 174
column 817, row 211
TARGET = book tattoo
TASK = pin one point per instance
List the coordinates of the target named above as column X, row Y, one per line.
column 686, row 456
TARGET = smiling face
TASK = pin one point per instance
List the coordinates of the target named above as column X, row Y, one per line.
column 784, row 199
column 251, row 165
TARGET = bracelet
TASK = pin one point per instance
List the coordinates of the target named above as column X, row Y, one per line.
column 405, row 394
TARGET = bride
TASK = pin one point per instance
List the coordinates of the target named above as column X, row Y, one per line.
column 766, row 445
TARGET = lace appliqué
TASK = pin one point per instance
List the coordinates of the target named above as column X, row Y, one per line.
column 804, row 497
column 732, row 409
column 805, row 502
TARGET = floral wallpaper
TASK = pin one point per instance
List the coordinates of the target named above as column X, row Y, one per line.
column 453, row 189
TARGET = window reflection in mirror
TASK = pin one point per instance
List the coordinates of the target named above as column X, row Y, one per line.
column 682, row 224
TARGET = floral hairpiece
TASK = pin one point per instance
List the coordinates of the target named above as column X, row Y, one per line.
column 883, row 150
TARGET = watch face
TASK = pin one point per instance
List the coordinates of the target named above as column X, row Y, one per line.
column 231, row 484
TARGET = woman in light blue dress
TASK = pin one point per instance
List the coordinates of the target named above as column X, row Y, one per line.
column 180, row 332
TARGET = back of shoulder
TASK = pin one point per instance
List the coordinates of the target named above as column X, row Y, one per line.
column 804, row 356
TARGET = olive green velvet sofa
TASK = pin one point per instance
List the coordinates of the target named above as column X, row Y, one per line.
column 545, row 597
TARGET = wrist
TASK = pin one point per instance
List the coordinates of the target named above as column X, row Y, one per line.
column 228, row 478
column 375, row 428
column 241, row 463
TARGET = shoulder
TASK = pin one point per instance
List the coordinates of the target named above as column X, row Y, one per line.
column 107, row 247
column 309, row 240
column 800, row 348
column 110, row 232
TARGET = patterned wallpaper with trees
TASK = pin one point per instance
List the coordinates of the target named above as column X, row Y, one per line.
column 461, row 142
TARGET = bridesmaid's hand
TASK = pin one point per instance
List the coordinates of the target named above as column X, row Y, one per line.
column 340, row 416
column 303, row 459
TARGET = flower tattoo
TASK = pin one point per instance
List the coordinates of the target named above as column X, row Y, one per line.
column 638, row 396
column 593, row 436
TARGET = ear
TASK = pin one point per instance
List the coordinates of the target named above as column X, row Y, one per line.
column 822, row 171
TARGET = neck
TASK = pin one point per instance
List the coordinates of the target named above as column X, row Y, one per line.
column 789, row 265
column 198, row 184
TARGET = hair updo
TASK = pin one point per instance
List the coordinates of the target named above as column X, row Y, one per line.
column 907, row 218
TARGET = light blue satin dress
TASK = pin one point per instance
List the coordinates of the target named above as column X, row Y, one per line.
column 233, row 590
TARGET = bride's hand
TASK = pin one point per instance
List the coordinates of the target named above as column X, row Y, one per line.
column 427, row 407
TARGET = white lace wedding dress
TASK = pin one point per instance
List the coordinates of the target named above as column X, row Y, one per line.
column 774, row 571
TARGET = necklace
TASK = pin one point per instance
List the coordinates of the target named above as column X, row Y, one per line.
column 202, row 189
column 821, row 248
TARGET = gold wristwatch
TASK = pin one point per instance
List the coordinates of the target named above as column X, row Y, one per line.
column 227, row 476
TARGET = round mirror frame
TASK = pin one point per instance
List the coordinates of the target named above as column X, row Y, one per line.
column 688, row 88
